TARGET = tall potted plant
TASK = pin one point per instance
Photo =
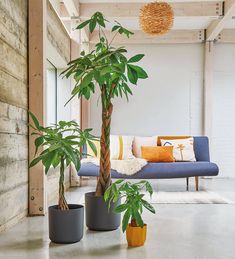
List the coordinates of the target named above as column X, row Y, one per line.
column 108, row 68
column 59, row 146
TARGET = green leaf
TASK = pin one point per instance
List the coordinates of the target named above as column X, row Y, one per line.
column 140, row 71
column 82, row 25
column 92, row 25
column 48, row 160
column 138, row 218
column 115, row 27
column 35, row 161
column 35, row 121
column 119, row 181
column 56, row 160
column 107, row 193
column 125, row 220
column 136, row 58
column 148, row 206
column 105, row 70
column 73, row 156
column 120, row 208
column 92, row 146
column 100, row 19
column 149, row 188
column 132, row 75
column 87, row 79
column 39, row 141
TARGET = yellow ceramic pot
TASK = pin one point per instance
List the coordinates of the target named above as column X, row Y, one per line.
column 136, row 236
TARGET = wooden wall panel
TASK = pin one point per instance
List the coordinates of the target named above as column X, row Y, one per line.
column 37, row 59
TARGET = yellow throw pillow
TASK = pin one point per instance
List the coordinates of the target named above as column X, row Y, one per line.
column 121, row 147
column 90, row 151
column 158, row 154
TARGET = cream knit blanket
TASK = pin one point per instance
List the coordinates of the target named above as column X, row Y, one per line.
column 127, row 167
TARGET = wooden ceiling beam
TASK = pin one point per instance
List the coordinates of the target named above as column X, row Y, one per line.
column 226, row 36
column 131, row 10
column 174, row 36
column 73, row 9
column 217, row 26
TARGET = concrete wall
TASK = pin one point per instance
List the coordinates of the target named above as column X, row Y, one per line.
column 13, row 112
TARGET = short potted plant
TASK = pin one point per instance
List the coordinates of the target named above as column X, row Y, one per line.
column 108, row 70
column 59, row 146
column 132, row 206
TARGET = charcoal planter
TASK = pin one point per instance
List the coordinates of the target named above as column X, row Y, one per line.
column 66, row 226
column 98, row 216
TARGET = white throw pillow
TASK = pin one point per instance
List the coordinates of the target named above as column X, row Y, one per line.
column 183, row 149
column 142, row 141
column 121, row 147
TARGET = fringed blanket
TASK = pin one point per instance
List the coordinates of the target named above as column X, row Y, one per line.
column 127, row 167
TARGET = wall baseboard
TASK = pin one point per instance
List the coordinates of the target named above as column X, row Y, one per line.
column 12, row 222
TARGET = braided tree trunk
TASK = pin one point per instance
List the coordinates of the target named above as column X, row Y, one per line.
column 104, row 180
column 62, row 204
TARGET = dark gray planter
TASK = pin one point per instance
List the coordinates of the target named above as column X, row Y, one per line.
column 98, row 216
column 66, row 226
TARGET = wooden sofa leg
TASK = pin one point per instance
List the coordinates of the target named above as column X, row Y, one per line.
column 197, row 183
column 80, row 180
column 187, row 180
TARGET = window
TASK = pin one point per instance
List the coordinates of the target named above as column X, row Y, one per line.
column 51, row 94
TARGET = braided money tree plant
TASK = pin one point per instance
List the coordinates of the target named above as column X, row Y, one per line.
column 59, row 146
column 108, row 68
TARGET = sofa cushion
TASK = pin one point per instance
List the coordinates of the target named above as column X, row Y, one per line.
column 159, row 170
column 121, row 147
column 183, row 149
column 158, row 154
column 138, row 142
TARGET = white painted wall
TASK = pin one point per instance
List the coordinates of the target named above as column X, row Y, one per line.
column 168, row 102
column 223, row 129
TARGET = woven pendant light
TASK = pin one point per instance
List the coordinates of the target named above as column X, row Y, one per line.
column 156, row 18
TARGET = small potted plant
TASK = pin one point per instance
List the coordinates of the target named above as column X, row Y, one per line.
column 133, row 206
column 59, row 146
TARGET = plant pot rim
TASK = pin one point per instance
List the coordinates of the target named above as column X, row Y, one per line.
column 92, row 194
column 145, row 225
column 71, row 207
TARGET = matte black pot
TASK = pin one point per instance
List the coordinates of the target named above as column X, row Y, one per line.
column 98, row 216
column 66, row 226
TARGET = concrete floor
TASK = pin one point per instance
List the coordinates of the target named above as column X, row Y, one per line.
column 177, row 231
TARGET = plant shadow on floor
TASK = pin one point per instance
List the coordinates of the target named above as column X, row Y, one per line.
column 78, row 249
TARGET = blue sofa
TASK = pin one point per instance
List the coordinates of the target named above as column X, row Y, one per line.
column 202, row 167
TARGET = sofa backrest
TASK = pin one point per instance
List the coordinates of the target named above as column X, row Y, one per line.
column 201, row 148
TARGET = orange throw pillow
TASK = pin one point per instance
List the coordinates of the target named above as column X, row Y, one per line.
column 158, row 154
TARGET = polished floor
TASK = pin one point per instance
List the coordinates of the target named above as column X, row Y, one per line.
column 177, row 231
